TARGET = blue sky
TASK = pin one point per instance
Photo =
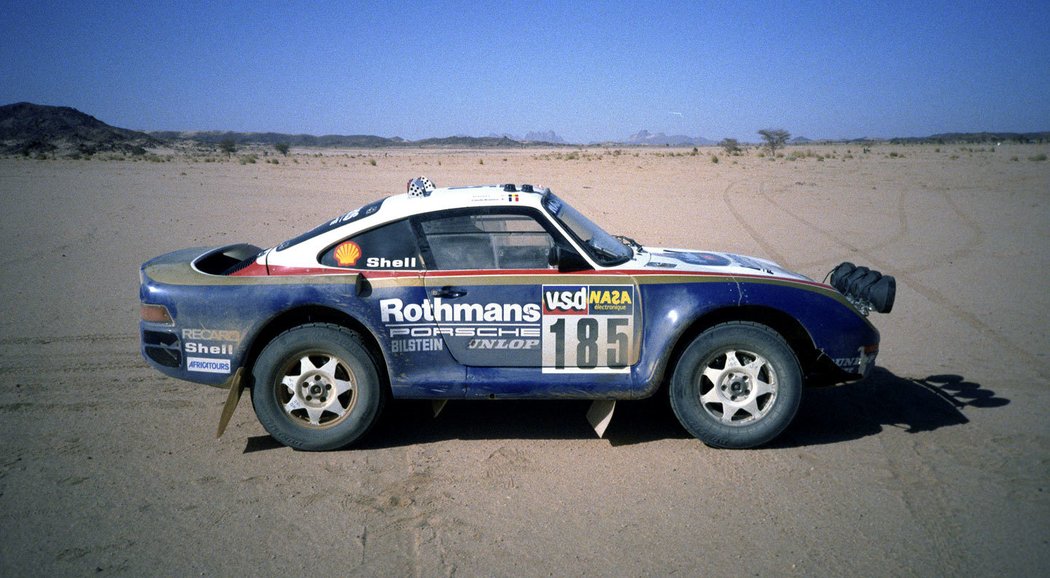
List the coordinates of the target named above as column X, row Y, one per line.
column 586, row 70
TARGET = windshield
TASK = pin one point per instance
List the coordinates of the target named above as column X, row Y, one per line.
column 601, row 246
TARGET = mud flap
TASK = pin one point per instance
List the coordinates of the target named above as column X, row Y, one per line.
column 600, row 414
column 236, row 387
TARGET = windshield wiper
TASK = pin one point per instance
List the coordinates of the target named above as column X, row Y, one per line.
column 602, row 250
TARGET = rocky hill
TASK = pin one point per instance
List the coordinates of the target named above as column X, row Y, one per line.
column 27, row 128
column 272, row 138
column 646, row 138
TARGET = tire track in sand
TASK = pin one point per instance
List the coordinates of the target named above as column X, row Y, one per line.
column 906, row 275
column 769, row 249
column 34, row 358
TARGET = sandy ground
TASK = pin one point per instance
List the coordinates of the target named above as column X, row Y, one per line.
column 937, row 465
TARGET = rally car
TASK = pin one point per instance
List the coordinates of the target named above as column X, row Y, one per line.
column 496, row 292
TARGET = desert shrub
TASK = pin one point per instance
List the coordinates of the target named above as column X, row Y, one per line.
column 775, row 138
column 714, row 159
column 1038, row 157
column 248, row 159
column 730, row 146
column 372, row 162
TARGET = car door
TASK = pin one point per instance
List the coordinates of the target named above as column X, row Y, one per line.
column 483, row 283
column 394, row 300
column 498, row 303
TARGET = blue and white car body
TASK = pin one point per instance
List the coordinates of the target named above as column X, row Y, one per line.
column 487, row 292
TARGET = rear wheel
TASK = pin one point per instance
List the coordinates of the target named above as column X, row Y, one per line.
column 738, row 385
column 316, row 388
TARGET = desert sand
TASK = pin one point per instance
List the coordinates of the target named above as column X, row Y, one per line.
column 939, row 464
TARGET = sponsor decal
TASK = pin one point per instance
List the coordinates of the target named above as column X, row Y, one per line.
column 493, row 333
column 212, row 334
column 207, row 365
column 397, row 311
column 384, row 263
column 584, row 300
column 347, row 254
column 413, row 345
column 513, row 198
column 611, row 300
column 194, row 347
column 588, row 328
column 698, row 258
column 564, row 300
column 862, row 363
column 485, row 197
column 503, row 344
column 465, row 331
column 346, row 218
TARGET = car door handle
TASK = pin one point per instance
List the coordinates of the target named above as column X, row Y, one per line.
column 447, row 292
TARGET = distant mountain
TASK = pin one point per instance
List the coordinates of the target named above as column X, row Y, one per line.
column 644, row 137
column 468, row 142
column 272, row 138
column 532, row 137
column 545, row 136
column 27, row 128
column 336, row 141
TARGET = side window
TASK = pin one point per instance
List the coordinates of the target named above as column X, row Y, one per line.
column 391, row 246
column 487, row 241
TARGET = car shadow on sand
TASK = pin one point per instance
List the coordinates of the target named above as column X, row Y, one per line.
column 827, row 416
column 885, row 400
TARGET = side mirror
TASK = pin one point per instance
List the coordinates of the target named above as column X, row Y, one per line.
column 566, row 259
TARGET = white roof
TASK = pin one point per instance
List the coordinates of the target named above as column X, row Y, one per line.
column 304, row 254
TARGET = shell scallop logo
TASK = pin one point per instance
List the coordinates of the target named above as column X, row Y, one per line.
column 347, row 254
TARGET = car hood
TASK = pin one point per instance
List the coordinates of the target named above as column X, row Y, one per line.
column 689, row 260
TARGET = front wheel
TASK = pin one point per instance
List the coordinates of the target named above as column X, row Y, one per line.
column 316, row 388
column 738, row 385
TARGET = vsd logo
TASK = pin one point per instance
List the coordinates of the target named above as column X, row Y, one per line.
column 564, row 300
